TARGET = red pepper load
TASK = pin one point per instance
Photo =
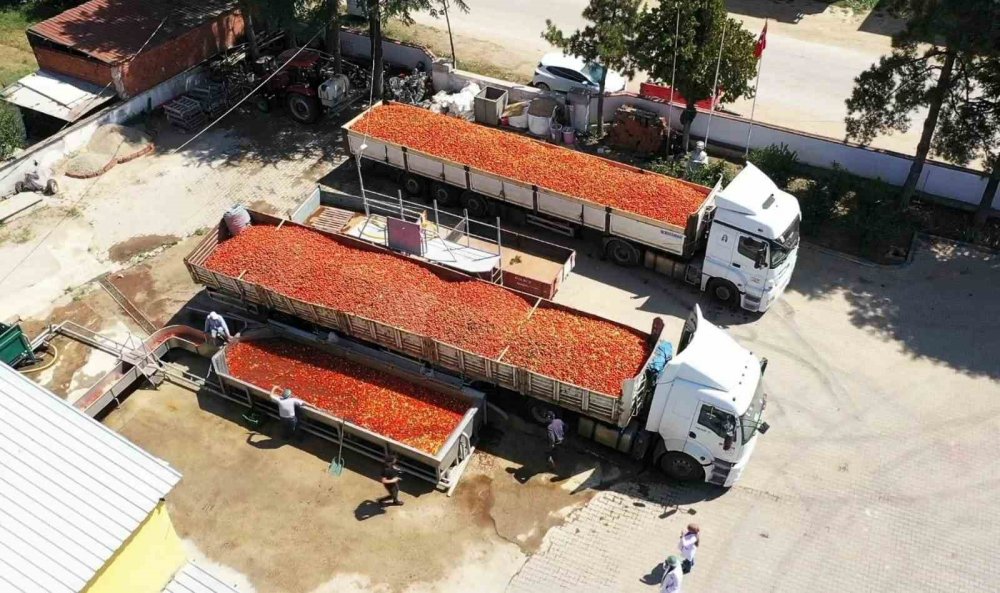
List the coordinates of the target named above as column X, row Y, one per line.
column 388, row 405
column 471, row 314
column 532, row 162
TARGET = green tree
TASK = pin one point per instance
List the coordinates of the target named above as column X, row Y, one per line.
column 441, row 7
column 606, row 41
column 12, row 135
column 332, row 41
column 700, row 36
column 970, row 126
column 378, row 13
column 940, row 42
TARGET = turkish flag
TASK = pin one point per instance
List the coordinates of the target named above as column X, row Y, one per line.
column 758, row 51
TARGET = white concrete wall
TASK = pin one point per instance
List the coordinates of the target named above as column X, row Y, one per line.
column 396, row 53
column 939, row 179
column 50, row 151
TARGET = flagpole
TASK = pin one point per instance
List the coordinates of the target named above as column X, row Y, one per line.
column 715, row 85
column 756, row 87
column 673, row 76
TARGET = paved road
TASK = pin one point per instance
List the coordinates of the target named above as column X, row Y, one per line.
column 876, row 474
column 808, row 70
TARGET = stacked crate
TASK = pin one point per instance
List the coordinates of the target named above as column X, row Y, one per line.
column 185, row 113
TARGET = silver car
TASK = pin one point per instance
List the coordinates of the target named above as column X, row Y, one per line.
column 559, row 72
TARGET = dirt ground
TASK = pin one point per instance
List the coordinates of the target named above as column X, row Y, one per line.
column 271, row 511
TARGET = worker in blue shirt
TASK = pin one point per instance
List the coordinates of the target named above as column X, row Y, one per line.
column 556, row 430
column 216, row 329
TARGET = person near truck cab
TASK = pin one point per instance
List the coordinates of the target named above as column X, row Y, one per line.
column 216, row 328
column 688, row 546
column 672, row 575
column 556, row 431
column 288, row 408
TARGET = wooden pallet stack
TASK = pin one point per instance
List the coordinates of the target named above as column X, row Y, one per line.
column 185, row 113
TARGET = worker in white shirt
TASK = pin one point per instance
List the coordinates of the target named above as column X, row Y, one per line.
column 672, row 575
column 288, row 408
column 688, row 546
column 216, row 328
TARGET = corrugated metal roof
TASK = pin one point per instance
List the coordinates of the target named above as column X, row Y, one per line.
column 71, row 490
column 112, row 31
column 192, row 578
column 56, row 94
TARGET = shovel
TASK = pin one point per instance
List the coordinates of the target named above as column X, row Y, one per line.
column 337, row 465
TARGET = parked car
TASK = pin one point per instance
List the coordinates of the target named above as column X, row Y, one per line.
column 563, row 73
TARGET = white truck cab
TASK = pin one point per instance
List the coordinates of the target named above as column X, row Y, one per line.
column 753, row 241
column 707, row 406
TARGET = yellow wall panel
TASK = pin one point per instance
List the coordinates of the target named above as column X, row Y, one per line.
column 146, row 561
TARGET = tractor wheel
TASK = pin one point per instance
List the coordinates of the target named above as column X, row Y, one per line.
column 302, row 108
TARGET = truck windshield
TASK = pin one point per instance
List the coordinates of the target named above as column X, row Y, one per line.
column 750, row 419
column 783, row 246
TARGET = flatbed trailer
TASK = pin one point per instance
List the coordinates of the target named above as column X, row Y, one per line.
column 442, row 468
column 545, row 207
column 614, row 409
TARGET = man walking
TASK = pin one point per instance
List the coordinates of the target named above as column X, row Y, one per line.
column 556, row 430
column 672, row 576
column 391, row 476
column 216, row 329
column 288, row 407
column 688, row 546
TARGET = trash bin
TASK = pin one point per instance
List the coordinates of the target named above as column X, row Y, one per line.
column 489, row 105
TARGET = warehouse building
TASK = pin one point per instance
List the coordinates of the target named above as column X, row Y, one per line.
column 81, row 508
column 101, row 49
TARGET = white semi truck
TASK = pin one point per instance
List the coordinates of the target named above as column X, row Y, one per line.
column 740, row 244
column 696, row 412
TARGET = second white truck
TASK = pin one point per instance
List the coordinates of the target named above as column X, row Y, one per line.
column 740, row 244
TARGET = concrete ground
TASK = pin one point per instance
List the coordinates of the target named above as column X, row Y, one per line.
column 883, row 393
column 805, row 37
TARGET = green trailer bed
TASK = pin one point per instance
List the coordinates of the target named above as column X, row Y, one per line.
column 14, row 346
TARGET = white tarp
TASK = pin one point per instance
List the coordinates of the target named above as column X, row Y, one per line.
column 435, row 249
column 57, row 95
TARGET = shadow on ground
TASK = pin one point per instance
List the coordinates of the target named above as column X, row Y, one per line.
column 942, row 306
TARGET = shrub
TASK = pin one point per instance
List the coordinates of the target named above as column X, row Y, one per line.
column 707, row 175
column 11, row 130
column 777, row 161
column 824, row 196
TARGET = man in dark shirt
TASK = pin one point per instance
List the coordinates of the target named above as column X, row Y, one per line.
column 557, row 434
column 390, row 480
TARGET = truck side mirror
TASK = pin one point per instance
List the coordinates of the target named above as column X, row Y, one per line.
column 727, row 443
column 761, row 258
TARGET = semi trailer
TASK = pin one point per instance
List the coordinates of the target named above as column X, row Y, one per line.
column 739, row 243
column 696, row 413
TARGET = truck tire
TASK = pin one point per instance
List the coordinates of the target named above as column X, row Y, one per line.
column 622, row 253
column 18, row 187
column 302, row 108
column 477, row 205
column 52, row 187
column 444, row 194
column 413, row 185
column 723, row 291
column 681, row 467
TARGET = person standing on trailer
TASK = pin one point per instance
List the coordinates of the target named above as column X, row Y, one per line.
column 672, row 576
column 690, row 538
column 391, row 476
column 288, row 408
column 216, row 329
column 556, row 430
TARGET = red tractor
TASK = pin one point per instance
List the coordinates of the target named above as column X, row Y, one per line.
column 307, row 84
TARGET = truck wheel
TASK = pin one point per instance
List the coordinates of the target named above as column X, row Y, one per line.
column 444, row 194
column 723, row 291
column 302, row 108
column 413, row 185
column 622, row 252
column 682, row 467
column 477, row 205
column 51, row 188
column 18, row 187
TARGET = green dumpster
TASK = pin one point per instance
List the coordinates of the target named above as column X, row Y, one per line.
column 14, row 346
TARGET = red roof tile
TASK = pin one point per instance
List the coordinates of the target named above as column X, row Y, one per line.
column 112, row 31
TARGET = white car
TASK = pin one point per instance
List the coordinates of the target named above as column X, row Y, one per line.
column 559, row 72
